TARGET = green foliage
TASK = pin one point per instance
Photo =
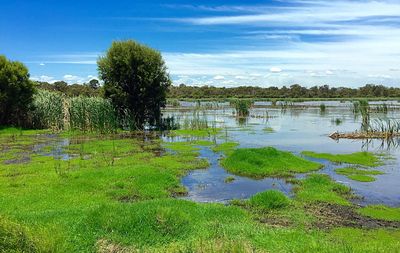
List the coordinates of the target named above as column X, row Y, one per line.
column 136, row 80
column 381, row 212
column 322, row 107
column 321, row 188
column 226, row 148
column 16, row 92
column 242, row 107
column 269, row 130
column 272, row 199
column 264, row 162
column 88, row 114
column 361, row 175
column 362, row 241
column 361, row 158
column 49, row 111
column 92, row 114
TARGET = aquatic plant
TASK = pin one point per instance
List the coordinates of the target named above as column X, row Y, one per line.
column 362, row 175
column 49, row 110
column 360, row 158
column 92, row 114
column 322, row 108
column 242, row 107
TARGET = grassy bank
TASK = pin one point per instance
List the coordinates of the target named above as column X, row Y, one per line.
column 116, row 193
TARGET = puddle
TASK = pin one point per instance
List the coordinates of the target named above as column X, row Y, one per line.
column 208, row 185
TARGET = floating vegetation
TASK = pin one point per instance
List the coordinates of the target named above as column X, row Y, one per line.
column 229, row 179
column 362, row 175
column 360, row 158
column 337, row 121
column 269, row 130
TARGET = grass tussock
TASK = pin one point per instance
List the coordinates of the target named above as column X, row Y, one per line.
column 264, row 162
column 269, row 200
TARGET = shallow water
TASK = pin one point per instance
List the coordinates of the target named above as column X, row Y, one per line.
column 295, row 130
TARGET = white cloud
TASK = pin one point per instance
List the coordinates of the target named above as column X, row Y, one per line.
column 219, row 77
column 328, row 72
column 241, row 77
column 71, row 78
column 275, row 70
column 44, row 78
column 42, row 64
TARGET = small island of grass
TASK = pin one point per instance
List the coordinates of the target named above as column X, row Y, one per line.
column 360, row 158
column 265, row 162
column 361, row 175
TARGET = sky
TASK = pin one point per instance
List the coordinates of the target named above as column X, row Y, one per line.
column 220, row 43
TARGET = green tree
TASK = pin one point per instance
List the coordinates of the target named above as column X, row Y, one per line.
column 16, row 92
column 136, row 80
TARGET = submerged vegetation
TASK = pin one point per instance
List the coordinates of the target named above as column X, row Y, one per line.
column 360, row 158
column 358, row 174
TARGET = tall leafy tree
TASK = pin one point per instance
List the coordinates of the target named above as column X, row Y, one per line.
column 136, row 80
column 16, row 92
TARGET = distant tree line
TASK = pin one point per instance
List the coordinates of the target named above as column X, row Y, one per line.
column 90, row 89
column 293, row 91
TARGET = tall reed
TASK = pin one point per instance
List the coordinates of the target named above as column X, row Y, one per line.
column 48, row 110
column 92, row 114
column 242, row 107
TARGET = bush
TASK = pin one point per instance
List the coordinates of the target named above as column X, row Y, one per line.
column 272, row 199
column 136, row 80
column 16, row 91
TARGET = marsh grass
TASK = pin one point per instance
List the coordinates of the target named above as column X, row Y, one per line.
column 360, row 158
column 362, row 175
column 242, row 107
column 263, row 162
column 381, row 212
column 131, row 207
column 321, row 188
column 271, row 199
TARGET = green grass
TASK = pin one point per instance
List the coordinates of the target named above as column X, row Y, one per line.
column 264, row 162
column 196, row 132
column 360, row 158
column 269, row 130
column 362, row 175
column 321, row 188
column 365, row 241
column 362, row 178
column 271, row 199
column 226, row 148
column 381, row 212
column 117, row 195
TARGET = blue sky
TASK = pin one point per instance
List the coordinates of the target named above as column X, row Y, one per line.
column 220, row 43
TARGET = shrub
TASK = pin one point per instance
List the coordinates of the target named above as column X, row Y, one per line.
column 16, row 91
